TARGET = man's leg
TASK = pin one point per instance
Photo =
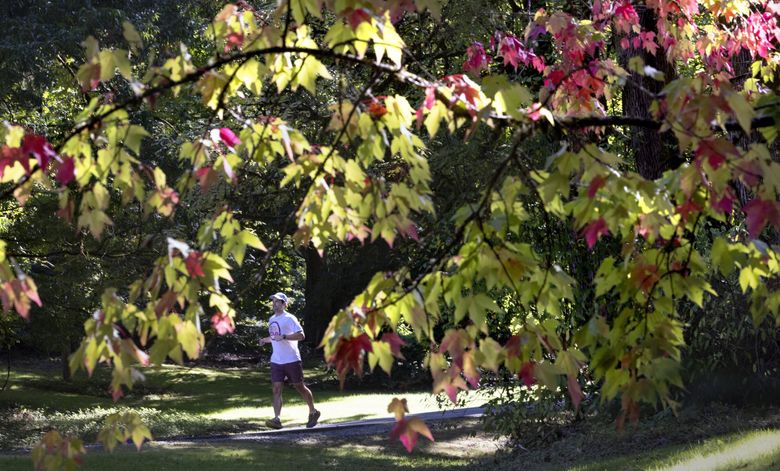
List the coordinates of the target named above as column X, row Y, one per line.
column 277, row 399
column 306, row 395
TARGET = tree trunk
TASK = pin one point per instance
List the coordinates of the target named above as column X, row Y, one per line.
column 332, row 281
column 654, row 152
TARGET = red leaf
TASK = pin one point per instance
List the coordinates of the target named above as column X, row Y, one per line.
column 376, row 109
column 234, row 40
column 554, row 78
column 222, row 323
column 116, row 393
column 715, row 151
column 38, row 147
column 356, row 17
column 476, row 58
column 760, row 212
column 725, row 203
column 513, row 346
column 644, row 275
column 228, row 137
column 407, row 431
column 597, row 182
column 687, row 208
column 66, row 171
column 11, row 155
column 348, row 355
column 527, row 374
column 594, row 230
column 194, row 263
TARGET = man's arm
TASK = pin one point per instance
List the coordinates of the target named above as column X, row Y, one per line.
column 296, row 336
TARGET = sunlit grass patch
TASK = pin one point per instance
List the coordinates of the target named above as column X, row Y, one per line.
column 752, row 450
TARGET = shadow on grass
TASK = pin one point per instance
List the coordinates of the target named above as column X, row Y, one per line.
column 454, row 448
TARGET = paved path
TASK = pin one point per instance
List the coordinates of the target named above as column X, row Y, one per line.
column 355, row 427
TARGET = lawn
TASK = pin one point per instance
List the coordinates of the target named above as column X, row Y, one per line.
column 180, row 401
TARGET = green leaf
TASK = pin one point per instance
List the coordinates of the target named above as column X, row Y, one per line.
column 131, row 36
column 249, row 238
column 382, row 355
column 742, row 110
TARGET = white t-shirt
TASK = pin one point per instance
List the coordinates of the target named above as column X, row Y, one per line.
column 284, row 351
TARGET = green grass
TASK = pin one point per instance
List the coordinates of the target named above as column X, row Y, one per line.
column 179, row 401
column 715, row 437
column 456, row 446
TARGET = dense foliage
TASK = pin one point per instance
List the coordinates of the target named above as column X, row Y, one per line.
column 623, row 163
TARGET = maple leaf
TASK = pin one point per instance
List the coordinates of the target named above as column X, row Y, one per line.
column 715, row 151
column 597, row 182
column 398, row 407
column 470, row 371
column 594, row 230
column 513, row 346
column 222, row 323
column 625, row 16
column 206, row 177
column 750, row 172
column 348, row 355
column 234, row 39
column 455, row 342
column 688, row 208
column 511, row 49
column 725, row 203
column 194, row 263
column 227, row 136
column 38, row 147
column 9, row 156
column 554, row 78
column 66, row 171
column 527, row 374
column 760, row 212
column 355, row 17
column 395, row 342
column 376, row 109
column 476, row 58
column 644, row 275
column 450, row 382
column 408, row 430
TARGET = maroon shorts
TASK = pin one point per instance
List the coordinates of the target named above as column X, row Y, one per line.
column 292, row 372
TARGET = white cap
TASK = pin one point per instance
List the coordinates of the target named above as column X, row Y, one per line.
column 280, row 297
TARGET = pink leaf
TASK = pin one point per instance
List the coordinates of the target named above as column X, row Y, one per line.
column 476, row 59
column 594, row 230
column 66, row 171
column 228, row 137
column 395, row 342
column 222, row 323
column 760, row 212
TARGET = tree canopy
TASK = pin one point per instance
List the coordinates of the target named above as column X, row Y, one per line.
column 610, row 161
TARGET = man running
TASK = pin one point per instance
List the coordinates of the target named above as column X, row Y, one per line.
column 284, row 334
